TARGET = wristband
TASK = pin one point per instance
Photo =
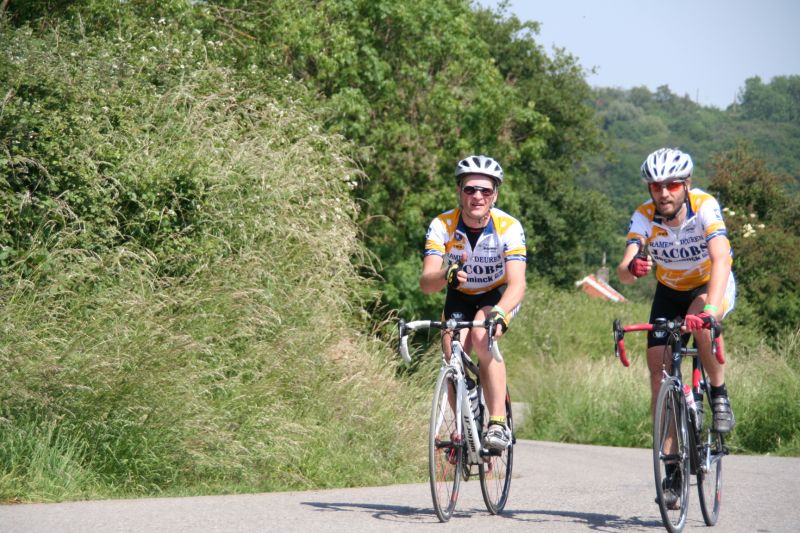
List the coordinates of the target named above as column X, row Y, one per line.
column 499, row 310
column 711, row 308
column 500, row 317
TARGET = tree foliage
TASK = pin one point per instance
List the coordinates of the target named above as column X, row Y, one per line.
column 180, row 281
column 765, row 236
column 420, row 84
column 415, row 85
column 777, row 101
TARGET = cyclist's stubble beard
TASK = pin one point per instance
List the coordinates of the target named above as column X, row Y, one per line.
column 673, row 209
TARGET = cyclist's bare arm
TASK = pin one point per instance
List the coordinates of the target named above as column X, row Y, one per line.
column 719, row 249
column 433, row 274
column 515, row 290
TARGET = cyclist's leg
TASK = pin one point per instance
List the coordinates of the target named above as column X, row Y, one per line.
column 492, row 376
column 458, row 306
column 723, row 414
column 493, row 373
column 715, row 371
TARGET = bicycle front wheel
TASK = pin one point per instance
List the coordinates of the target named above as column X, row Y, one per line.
column 445, row 447
column 671, row 455
column 495, row 470
column 709, row 472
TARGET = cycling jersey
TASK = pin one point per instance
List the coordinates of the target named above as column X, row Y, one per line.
column 681, row 254
column 503, row 239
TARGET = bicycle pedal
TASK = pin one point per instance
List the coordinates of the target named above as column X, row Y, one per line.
column 489, row 452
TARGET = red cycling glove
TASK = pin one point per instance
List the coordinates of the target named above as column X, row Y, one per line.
column 638, row 266
column 696, row 322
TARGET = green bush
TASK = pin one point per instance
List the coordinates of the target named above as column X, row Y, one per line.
column 218, row 348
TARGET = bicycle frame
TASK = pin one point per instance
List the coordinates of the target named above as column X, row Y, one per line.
column 455, row 430
column 704, row 456
column 464, row 415
column 679, row 351
column 458, row 362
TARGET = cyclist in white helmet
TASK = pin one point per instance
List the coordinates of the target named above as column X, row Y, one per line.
column 686, row 237
column 478, row 253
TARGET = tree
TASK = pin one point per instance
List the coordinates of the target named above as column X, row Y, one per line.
column 761, row 221
column 777, row 101
column 419, row 84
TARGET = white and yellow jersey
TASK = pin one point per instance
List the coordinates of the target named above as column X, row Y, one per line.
column 502, row 240
column 681, row 254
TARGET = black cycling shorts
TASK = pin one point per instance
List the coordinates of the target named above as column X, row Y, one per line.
column 669, row 303
column 464, row 306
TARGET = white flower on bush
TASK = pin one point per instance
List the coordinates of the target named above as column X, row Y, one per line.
column 749, row 230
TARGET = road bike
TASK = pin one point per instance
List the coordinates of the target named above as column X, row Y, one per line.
column 683, row 439
column 459, row 421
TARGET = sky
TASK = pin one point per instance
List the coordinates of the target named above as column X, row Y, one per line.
column 703, row 49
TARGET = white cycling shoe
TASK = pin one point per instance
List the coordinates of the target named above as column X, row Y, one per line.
column 498, row 437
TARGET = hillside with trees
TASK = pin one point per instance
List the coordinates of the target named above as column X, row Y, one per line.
column 636, row 120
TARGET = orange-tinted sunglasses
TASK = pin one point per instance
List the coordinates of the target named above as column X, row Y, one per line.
column 672, row 186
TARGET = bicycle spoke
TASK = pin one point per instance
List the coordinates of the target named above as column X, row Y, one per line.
column 671, row 456
column 445, row 453
column 495, row 472
column 709, row 475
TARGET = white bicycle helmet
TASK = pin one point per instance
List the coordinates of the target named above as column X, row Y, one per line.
column 480, row 164
column 667, row 164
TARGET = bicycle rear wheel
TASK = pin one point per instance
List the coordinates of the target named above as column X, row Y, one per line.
column 445, row 448
column 671, row 455
column 495, row 470
column 709, row 472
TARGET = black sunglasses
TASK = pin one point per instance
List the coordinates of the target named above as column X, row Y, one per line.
column 469, row 190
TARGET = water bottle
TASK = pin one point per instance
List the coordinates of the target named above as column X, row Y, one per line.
column 687, row 391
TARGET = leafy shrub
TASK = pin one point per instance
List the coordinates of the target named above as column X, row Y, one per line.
column 762, row 224
column 185, row 313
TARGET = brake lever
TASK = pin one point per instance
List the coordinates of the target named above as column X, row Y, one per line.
column 403, row 338
column 495, row 351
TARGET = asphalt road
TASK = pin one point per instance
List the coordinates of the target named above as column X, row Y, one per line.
column 556, row 488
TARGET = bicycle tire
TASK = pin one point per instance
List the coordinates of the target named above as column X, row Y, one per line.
column 670, row 424
column 709, row 471
column 445, row 448
column 495, row 470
